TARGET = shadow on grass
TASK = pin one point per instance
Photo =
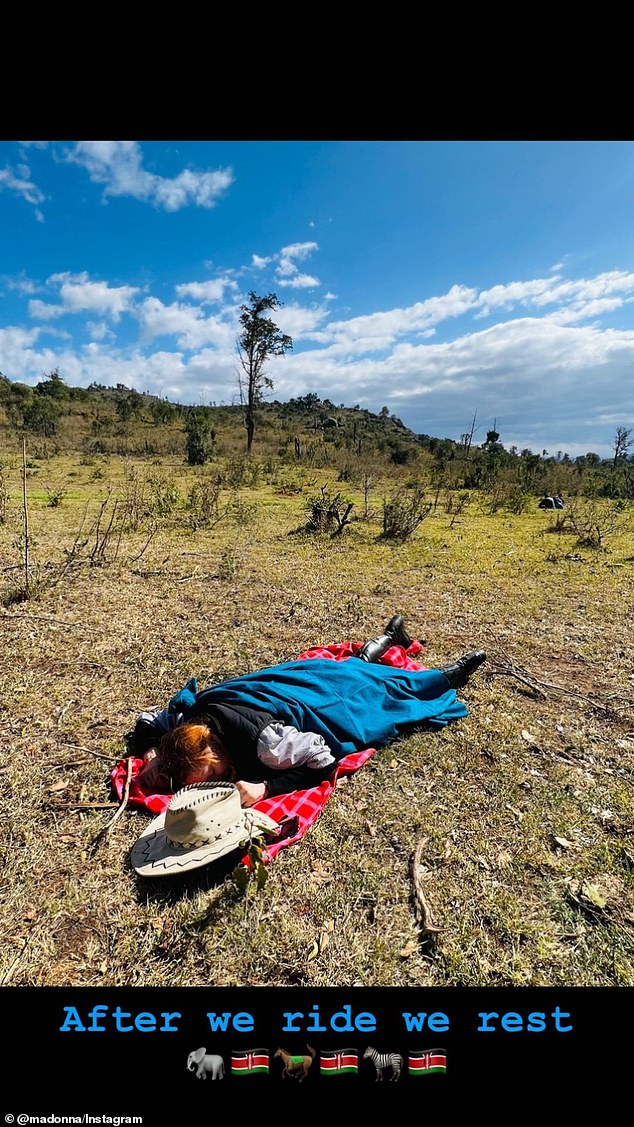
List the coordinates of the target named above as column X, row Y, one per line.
column 171, row 889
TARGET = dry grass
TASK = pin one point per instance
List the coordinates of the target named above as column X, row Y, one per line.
column 525, row 807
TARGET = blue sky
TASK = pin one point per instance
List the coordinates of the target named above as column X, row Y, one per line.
column 435, row 278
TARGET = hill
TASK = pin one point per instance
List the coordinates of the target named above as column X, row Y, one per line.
column 120, row 420
column 308, row 431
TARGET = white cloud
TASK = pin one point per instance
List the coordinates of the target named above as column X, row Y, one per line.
column 583, row 310
column 294, row 250
column 299, row 322
column 119, row 165
column 511, row 293
column 21, row 284
column 18, row 181
column 552, row 291
column 546, row 383
column 213, row 290
column 258, row 262
column 99, row 330
column 378, row 331
column 614, row 281
column 186, row 322
column 548, row 377
column 300, row 281
column 61, row 334
column 44, row 311
column 80, row 295
column 15, row 342
column 301, row 251
column 287, row 271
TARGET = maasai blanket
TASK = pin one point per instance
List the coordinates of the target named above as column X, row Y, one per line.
column 298, row 811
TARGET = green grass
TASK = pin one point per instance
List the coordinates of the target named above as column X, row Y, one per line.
column 95, row 645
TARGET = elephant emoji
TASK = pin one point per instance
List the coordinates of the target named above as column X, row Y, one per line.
column 205, row 1064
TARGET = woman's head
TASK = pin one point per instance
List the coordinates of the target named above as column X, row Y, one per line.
column 191, row 753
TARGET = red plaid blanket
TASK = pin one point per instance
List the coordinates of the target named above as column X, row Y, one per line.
column 295, row 812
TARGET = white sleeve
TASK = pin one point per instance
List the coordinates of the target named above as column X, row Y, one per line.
column 281, row 746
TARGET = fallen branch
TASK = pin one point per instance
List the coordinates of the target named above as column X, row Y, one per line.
column 124, row 802
column 89, row 751
column 81, row 805
column 506, row 668
column 526, row 680
column 422, row 906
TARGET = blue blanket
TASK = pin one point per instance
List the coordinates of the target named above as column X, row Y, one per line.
column 353, row 704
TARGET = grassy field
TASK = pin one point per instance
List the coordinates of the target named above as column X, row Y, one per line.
column 522, row 813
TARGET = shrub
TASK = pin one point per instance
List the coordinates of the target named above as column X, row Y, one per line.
column 328, row 512
column 163, row 494
column 55, row 497
column 242, row 472
column 242, row 513
column 402, row 514
column 594, row 521
column 203, row 502
column 201, row 439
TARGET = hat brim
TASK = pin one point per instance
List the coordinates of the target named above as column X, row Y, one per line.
column 153, row 855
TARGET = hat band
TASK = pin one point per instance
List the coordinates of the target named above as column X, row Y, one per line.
column 200, row 841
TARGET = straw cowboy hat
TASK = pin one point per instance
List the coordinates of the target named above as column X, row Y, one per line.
column 203, row 822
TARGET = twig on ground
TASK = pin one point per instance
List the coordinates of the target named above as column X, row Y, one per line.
column 49, row 618
column 124, row 802
column 81, row 805
column 424, row 914
column 89, row 751
column 506, row 668
column 90, row 664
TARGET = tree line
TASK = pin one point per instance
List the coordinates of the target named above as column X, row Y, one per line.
column 351, row 433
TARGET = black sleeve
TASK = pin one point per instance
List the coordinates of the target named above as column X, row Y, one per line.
column 239, row 727
column 143, row 736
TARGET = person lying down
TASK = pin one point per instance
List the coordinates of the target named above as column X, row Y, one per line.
column 284, row 728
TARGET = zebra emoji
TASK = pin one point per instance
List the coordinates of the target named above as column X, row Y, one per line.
column 385, row 1062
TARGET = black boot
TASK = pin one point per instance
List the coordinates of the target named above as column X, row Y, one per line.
column 396, row 630
column 393, row 635
column 460, row 671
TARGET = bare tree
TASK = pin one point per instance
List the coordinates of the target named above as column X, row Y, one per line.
column 622, row 443
column 259, row 339
column 467, row 438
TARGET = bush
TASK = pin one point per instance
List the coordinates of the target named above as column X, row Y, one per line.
column 241, row 512
column 403, row 514
column 55, row 497
column 164, row 495
column 201, row 439
column 593, row 521
column 328, row 512
column 41, row 416
column 242, row 472
column 203, row 502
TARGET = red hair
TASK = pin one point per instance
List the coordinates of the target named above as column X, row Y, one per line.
column 188, row 751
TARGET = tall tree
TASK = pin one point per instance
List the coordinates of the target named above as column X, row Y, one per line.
column 622, row 443
column 201, row 438
column 259, row 339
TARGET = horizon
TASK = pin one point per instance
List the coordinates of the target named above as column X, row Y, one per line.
column 438, row 279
